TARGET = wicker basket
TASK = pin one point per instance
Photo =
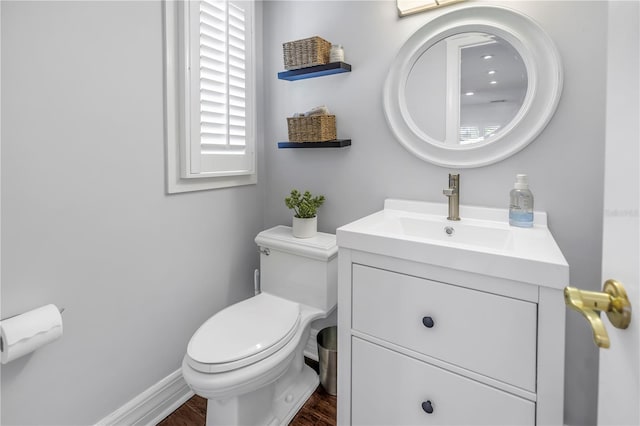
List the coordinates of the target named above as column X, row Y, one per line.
column 317, row 128
column 306, row 53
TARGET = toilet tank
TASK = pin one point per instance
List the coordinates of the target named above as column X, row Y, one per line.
column 303, row 270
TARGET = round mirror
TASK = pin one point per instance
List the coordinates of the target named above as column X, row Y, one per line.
column 473, row 87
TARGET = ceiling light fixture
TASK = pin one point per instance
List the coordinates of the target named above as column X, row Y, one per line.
column 409, row 7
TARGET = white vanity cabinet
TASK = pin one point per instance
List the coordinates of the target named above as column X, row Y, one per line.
column 390, row 388
column 466, row 327
column 424, row 340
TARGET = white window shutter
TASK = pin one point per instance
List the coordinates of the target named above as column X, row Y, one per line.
column 220, row 96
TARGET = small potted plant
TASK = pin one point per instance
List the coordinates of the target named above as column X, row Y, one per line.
column 305, row 206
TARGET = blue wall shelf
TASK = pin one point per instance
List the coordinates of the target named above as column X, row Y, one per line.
column 315, row 71
column 338, row 143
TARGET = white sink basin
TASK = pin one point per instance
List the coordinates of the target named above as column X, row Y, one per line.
column 438, row 228
column 481, row 242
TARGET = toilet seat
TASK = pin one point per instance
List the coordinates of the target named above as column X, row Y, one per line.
column 243, row 334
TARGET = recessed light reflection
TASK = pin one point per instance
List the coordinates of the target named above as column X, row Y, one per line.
column 493, row 82
column 469, row 94
column 487, row 57
column 491, row 72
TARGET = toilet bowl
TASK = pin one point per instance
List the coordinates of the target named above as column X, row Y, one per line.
column 247, row 359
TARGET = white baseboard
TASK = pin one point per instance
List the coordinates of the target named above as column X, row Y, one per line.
column 152, row 405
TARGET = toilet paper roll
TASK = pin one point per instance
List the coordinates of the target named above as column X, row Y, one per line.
column 27, row 332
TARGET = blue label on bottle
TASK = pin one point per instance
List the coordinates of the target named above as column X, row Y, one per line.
column 521, row 219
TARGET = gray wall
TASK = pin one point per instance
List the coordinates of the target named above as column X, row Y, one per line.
column 565, row 163
column 86, row 223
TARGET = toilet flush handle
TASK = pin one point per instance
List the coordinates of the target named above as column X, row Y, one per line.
column 265, row 251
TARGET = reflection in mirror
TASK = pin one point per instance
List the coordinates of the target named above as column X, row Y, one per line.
column 466, row 88
column 493, row 86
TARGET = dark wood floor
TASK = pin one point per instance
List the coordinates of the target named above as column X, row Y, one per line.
column 319, row 410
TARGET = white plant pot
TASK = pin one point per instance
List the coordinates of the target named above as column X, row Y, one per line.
column 305, row 228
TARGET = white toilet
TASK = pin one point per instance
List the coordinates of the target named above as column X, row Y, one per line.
column 247, row 359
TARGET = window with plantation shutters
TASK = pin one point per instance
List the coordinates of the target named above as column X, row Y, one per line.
column 214, row 93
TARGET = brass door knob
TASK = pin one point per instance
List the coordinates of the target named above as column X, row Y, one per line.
column 613, row 300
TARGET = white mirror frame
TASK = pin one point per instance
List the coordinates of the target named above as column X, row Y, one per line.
column 544, row 73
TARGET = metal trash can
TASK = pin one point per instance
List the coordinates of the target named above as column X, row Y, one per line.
column 328, row 359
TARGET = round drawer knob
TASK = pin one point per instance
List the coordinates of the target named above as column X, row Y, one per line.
column 427, row 322
column 427, row 407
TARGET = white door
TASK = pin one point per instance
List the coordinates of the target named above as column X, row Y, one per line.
column 618, row 392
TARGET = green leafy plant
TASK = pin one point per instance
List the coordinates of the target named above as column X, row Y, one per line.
column 304, row 205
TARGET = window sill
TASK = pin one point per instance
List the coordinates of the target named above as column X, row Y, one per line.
column 177, row 186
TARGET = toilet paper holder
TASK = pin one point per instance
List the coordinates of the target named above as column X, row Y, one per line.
column 61, row 310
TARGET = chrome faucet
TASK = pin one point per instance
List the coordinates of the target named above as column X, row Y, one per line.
column 453, row 194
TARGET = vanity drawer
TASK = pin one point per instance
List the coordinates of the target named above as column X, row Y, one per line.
column 389, row 389
column 486, row 333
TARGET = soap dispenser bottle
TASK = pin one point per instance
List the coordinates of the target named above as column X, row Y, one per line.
column 521, row 205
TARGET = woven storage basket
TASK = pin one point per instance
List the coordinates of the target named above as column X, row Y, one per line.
column 317, row 128
column 306, row 53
